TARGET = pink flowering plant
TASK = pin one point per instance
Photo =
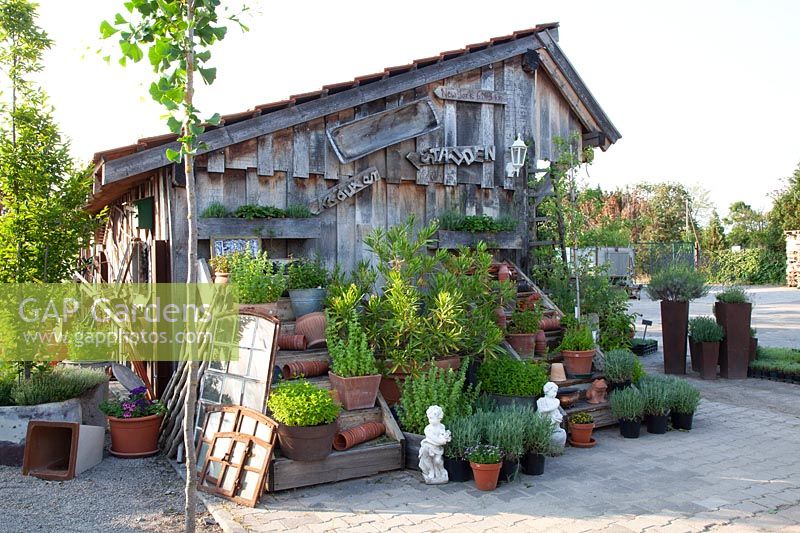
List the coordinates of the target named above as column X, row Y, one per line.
column 134, row 406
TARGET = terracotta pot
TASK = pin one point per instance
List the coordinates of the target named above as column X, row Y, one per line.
column 503, row 272
column 532, row 464
column 345, row 440
column 581, row 433
column 221, row 278
column 540, row 343
column 485, row 476
column 356, row 392
column 527, row 300
column 753, row 348
column 682, row 420
column 630, row 429
column 312, row 326
column 523, row 343
column 578, row 363
column 308, row 369
column 292, row 342
column 734, row 352
column 694, row 354
column 390, row 387
column 453, row 363
column 500, row 318
column 134, row 437
column 282, row 309
column 568, row 399
column 557, row 373
column 550, row 323
column 709, row 359
column 656, row 424
column 675, row 324
column 458, row 470
column 301, row 443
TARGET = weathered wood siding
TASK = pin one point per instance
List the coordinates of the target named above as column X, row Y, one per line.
column 298, row 165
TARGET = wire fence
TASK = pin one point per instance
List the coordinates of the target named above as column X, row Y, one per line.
column 653, row 256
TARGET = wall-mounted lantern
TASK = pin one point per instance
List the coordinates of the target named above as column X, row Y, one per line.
column 518, row 151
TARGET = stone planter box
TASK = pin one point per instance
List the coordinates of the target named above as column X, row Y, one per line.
column 14, row 425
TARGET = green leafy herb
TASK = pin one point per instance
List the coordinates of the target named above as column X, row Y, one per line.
column 627, row 404
column 351, row 355
column 299, row 403
column 705, row 329
column 304, row 274
column 733, row 295
column 678, row 283
column 505, row 375
column 437, row 386
column 215, row 210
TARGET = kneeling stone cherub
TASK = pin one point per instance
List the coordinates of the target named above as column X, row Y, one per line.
column 431, row 448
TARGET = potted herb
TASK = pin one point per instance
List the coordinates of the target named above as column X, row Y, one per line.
column 707, row 334
column 694, row 347
column 683, row 401
column 581, row 426
column 733, row 309
column 506, row 431
column 134, row 423
column 258, row 284
column 578, row 349
column 306, row 417
column 619, row 367
column 537, row 433
column 222, row 268
column 485, row 461
column 354, row 373
column 627, row 406
column 676, row 286
column 512, row 382
column 307, row 281
column 655, row 391
column 464, row 434
column 522, row 329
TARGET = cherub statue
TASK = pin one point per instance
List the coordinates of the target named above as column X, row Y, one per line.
column 431, row 448
column 549, row 407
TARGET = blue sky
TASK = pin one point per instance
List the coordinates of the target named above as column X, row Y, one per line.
column 703, row 92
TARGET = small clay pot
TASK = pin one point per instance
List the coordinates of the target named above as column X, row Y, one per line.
column 301, row 443
column 523, row 343
column 550, row 323
column 356, row 392
column 221, row 278
column 579, row 362
column 581, row 433
column 557, row 373
column 458, row 470
column 630, row 429
column 134, row 437
column 312, row 326
column 503, row 272
column 292, row 342
column 453, row 363
column 532, row 464
column 657, row 424
column 308, row 369
column 682, row 420
column 567, row 400
column 344, row 440
column 486, row 476
column 501, row 319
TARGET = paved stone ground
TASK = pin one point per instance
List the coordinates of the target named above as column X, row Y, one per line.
column 737, row 470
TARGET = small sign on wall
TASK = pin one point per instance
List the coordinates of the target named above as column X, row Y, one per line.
column 231, row 245
column 345, row 190
column 452, row 155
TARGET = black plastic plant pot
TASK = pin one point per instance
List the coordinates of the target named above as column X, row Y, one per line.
column 657, row 424
column 618, row 385
column 682, row 420
column 509, row 469
column 458, row 470
column 630, row 429
column 532, row 464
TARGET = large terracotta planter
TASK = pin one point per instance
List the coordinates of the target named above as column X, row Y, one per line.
column 694, row 354
column 578, row 363
column 709, row 359
column 308, row 369
column 523, row 343
column 356, row 392
column 301, row 443
column 453, row 363
column 486, row 476
column 674, row 326
column 134, row 437
column 581, row 433
column 391, row 387
column 345, row 440
column 734, row 353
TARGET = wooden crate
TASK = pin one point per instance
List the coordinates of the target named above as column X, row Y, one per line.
column 600, row 412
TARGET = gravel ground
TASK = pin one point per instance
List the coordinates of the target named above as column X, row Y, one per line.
column 118, row 495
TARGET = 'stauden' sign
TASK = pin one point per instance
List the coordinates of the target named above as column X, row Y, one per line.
column 345, row 190
column 453, row 155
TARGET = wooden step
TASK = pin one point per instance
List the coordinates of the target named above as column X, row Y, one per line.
column 287, row 356
column 601, row 413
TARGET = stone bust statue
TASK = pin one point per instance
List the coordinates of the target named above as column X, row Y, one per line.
column 548, row 406
column 431, row 448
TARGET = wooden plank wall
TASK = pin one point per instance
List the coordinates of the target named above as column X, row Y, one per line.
column 297, row 165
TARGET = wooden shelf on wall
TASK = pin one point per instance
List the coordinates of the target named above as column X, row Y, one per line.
column 266, row 228
column 495, row 240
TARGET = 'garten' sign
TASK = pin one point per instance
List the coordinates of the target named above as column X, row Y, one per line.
column 345, row 190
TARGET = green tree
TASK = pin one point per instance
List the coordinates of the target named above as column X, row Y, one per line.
column 668, row 211
column 785, row 213
column 713, row 237
column 177, row 36
column 747, row 225
column 43, row 226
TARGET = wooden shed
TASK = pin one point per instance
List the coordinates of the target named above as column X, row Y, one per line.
column 425, row 138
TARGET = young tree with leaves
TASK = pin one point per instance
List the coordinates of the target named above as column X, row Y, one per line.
column 177, row 36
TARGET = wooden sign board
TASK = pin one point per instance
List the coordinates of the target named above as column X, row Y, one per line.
column 452, row 155
column 227, row 246
column 345, row 190
column 481, row 96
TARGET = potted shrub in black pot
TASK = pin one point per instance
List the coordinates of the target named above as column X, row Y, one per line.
column 627, row 406
column 655, row 390
column 307, row 282
column 619, row 367
column 306, row 417
column 511, row 381
column 537, row 432
column 732, row 310
column 676, row 286
column 683, row 401
column 464, row 434
column 707, row 335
